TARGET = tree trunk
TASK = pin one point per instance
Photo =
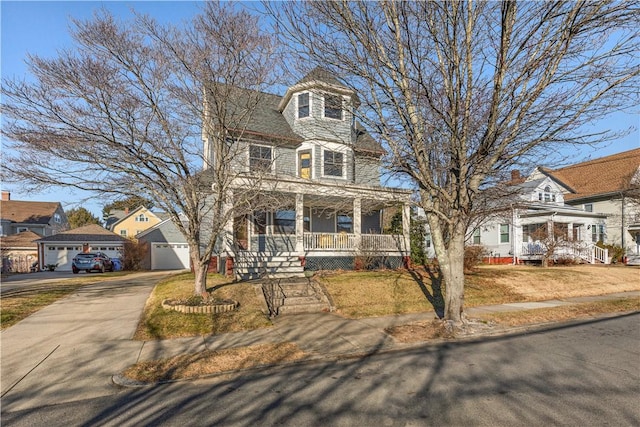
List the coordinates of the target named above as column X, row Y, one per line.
column 452, row 270
column 200, row 272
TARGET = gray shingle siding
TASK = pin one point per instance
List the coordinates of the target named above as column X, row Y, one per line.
column 367, row 170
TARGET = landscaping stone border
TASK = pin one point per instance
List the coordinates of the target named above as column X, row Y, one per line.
column 200, row 309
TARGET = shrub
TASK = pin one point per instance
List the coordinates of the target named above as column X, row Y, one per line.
column 134, row 255
column 473, row 256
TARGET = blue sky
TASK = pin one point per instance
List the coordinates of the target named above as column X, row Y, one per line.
column 42, row 27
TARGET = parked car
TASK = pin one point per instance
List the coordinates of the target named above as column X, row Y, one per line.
column 91, row 261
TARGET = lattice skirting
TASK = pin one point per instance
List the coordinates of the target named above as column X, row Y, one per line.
column 352, row 262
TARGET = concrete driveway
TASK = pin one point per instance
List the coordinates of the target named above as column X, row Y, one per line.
column 69, row 350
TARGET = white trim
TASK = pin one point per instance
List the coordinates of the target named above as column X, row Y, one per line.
column 342, row 106
column 297, row 110
column 339, row 148
column 270, row 147
column 306, row 146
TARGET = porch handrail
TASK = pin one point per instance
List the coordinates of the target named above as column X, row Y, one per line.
column 349, row 242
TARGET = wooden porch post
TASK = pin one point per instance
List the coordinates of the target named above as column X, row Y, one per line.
column 300, row 223
column 357, row 221
column 406, row 228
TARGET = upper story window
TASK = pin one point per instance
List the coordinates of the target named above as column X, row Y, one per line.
column 475, row 238
column 588, row 207
column 333, row 106
column 260, row 158
column 123, row 233
column 333, row 163
column 547, row 195
column 57, row 218
column 141, row 218
column 304, row 109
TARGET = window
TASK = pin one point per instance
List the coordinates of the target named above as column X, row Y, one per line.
column 123, row 233
column 597, row 233
column 504, row 233
column 21, row 229
column 333, row 107
column 260, row 222
column 57, row 218
column 476, row 237
column 588, row 207
column 303, row 105
column 344, row 223
column 142, row 218
column 259, row 158
column 284, row 221
column 534, row 232
column 333, row 163
column 427, row 240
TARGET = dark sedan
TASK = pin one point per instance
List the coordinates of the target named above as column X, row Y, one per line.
column 93, row 261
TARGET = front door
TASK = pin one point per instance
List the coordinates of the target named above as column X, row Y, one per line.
column 304, row 164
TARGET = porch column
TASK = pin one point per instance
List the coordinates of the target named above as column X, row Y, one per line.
column 406, row 228
column 300, row 223
column 227, row 232
column 357, row 221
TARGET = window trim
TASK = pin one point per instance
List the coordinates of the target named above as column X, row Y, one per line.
column 309, row 98
column 271, row 159
column 324, row 106
column 343, row 168
column 476, row 235
column 502, row 233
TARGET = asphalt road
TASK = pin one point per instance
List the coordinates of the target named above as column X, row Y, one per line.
column 584, row 374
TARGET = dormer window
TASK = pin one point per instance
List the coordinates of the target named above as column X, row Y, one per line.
column 57, row 218
column 333, row 106
column 303, row 105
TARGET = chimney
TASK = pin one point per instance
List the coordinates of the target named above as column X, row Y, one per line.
column 126, row 211
column 515, row 175
column 6, row 196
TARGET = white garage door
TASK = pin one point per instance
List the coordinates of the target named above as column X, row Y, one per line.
column 169, row 256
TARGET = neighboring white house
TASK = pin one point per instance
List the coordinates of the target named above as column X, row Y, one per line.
column 589, row 202
column 309, row 149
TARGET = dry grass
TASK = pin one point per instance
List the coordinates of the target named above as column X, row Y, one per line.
column 367, row 294
column 212, row 362
column 377, row 293
column 158, row 323
column 536, row 284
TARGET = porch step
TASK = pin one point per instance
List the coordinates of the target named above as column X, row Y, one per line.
column 289, row 296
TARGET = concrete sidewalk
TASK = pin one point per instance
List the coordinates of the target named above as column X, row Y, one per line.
column 70, row 350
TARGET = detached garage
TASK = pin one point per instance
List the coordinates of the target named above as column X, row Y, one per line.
column 62, row 247
column 168, row 248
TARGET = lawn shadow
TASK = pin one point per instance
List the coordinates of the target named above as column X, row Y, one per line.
column 435, row 297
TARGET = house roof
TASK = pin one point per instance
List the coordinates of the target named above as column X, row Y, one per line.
column 87, row 233
column 601, row 176
column 320, row 74
column 25, row 239
column 22, row 212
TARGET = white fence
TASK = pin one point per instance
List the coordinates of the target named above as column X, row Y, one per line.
column 590, row 253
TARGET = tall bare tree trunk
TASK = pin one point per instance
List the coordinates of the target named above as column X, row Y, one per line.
column 452, row 270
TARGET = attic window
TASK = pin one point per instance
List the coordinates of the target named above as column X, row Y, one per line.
column 333, row 107
column 303, row 105
column 142, row 218
column 547, row 196
column 57, row 218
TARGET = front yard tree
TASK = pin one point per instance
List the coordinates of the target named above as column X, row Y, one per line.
column 121, row 114
column 461, row 92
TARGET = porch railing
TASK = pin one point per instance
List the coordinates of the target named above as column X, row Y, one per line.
column 349, row 242
column 590, row 253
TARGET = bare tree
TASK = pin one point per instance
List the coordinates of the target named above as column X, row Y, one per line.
column 460, row 92
column 124, row 113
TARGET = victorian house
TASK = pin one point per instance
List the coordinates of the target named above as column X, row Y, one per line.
column 325, row 168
